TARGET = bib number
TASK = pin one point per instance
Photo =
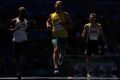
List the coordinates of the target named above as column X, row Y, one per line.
column 58, row 26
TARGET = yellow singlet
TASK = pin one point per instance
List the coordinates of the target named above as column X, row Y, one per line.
column 59, row 29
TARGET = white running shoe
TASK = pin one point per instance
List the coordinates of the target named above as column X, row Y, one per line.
column 56, row 71
column 88, row 75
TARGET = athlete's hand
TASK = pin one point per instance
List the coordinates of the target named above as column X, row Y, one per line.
column 105, row 46
column 83, row 35
column 49, row 27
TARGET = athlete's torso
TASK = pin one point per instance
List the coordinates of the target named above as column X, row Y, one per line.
column 93, row 31
column 59, row 29
column 20, row 33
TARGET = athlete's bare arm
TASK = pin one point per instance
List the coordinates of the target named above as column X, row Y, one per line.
column 102, row 34
column 69, row 21
column 49, row 23
column 12, row 25
column 85, row 31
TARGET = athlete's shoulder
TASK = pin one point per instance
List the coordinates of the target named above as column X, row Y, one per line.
column 53, row 13
column 66, row 13
column 87, row 25
column 99, row 25
column 14, row 20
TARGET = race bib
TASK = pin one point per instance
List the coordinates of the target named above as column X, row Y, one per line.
column 93, row 37
column 93, row 33
column 58, row 26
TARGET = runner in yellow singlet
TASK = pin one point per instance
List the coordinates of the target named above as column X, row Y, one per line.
column 58, row 23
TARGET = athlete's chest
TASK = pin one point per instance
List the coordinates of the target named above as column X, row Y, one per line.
column 21, row 23
column 57, row 17
column 93, row 29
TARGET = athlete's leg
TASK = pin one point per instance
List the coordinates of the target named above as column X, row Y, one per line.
column 16, row 54
column 88, row 57
column 55, row 56
column 88, row 61
column 63, row 46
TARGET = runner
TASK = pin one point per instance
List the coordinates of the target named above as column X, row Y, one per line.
column 19, row 26
column 92, row 31
column 58, row 23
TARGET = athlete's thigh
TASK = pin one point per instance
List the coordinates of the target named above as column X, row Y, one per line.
column 62, row 42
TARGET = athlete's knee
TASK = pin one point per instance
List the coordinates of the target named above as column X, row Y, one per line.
column 55, row 48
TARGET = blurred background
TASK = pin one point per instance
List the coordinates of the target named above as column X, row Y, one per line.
column 39, row 47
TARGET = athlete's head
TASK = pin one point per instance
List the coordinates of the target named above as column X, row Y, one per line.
column 58, row 6
column 92, row 17
column 22, row 12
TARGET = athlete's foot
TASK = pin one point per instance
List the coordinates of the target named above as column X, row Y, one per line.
column 56, row 71
column 88, row 75
column 19, row 75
